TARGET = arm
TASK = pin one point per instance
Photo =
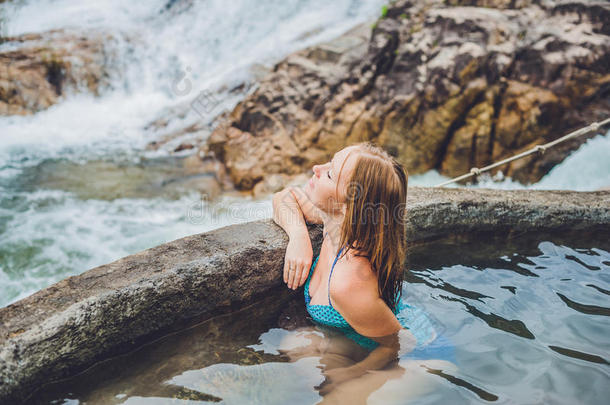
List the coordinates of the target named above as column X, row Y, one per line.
column 386, row 352
column 312, row 214
column 299, row 253
column 358, row 301
column 287, row 214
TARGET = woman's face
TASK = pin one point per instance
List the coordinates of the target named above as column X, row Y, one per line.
column 326, row 188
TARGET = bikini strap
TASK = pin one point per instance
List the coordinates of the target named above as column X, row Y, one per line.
column 331, row 273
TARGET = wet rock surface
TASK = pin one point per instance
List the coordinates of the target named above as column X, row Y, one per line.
column 36, row 70
column 445, row 85
column 110, row 309
column 440, row 85
column 168, row 177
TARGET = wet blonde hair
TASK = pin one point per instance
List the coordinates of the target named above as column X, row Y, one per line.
column 375, row 217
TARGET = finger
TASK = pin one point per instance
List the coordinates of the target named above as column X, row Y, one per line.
column 297, row 280
column 321, row 385
column 326, row 389
column 291, row 273
column 301, row 198
column 297, row 196
column 297, row 274
column 300, row 272
column 286, row 268
column 305, row 272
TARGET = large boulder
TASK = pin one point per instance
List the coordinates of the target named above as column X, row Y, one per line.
column 36, row 70
column 440, row 86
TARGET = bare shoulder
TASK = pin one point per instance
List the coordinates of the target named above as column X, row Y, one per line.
column 355, row 295
column 354, row 274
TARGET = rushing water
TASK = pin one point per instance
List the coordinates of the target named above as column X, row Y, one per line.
column 167, row 52
column 66, row 202
column 528, row 317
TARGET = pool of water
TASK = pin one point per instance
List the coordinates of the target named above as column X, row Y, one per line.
column 528, row 316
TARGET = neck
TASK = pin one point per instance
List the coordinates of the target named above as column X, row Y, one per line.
column 332, row 226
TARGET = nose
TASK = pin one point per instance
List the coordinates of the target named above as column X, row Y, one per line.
column 319, row 169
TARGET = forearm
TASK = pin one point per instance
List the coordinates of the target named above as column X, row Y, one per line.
column 377, row 359
column 388, row 350
column 288, row 214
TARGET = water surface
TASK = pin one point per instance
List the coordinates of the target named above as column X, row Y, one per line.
column 528, row 316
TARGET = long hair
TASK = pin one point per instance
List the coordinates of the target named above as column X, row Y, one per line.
column 375, row 218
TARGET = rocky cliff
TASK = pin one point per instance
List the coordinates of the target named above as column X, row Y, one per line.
column 443, row 85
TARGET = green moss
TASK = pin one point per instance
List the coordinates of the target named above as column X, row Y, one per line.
column 384, row 11
column 374, row 25
column 403, row 16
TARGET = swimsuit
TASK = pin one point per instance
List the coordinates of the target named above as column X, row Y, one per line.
column 409, row 317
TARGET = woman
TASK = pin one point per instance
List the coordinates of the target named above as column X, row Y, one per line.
column 353, row 288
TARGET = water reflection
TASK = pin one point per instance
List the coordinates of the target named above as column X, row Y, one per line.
column 528, row 317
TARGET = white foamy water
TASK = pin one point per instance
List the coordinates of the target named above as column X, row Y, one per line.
column 80, row 126
column 164, row 58
column 50, row 234
column 160, row 58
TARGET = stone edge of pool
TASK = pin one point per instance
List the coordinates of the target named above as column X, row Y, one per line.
column 69, row 326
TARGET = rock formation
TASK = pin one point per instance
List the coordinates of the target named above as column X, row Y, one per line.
column 440, row 85
column 40, row 68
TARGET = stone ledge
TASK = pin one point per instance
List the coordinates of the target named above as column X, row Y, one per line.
column 76, row 322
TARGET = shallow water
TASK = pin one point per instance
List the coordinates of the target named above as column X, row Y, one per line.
column 528, row 316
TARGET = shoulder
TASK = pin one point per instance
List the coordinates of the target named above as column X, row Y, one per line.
column 354, row 294
column 353, row 273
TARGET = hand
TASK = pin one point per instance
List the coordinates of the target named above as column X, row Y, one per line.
column 336, row 376
column 297, row 262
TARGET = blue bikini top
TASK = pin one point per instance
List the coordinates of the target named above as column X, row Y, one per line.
column 409, row 316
